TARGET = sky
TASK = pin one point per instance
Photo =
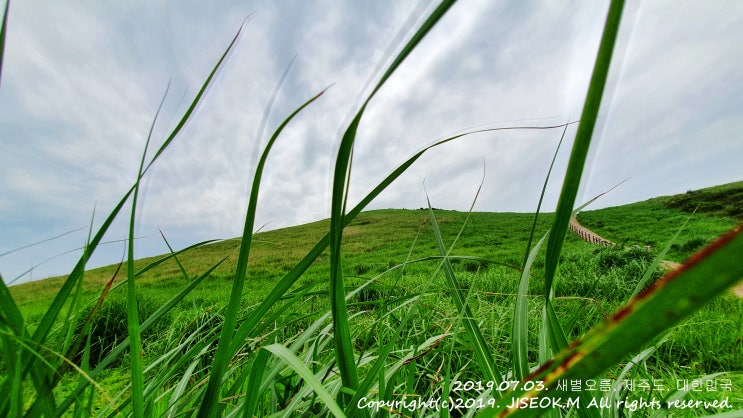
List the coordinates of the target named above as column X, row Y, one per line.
column 82, row 81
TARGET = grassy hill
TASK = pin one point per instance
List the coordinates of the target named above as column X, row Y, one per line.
column 380, row 239
column 724, row 200
column 653, row 222
column 396, row 251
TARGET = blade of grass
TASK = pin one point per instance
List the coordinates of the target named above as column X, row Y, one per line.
column 553, row 336
column 12, row 323
column 159, row 261
column 576, row 163
column 223, row 356
column 254, row 383
column 182, row 269
column 63, row 253
column 135, row 348
column 556, row 338
column 342, row 335
column 519, row 349
column 74, row 313
column 483, row 357
column 180, row 389
column 3, row 31
column 520, row 336
column 541, row 195
column 295, row 364
column 23, row 247
column 656, row 262
column 582, row 142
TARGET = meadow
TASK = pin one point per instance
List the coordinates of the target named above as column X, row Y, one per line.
column 397, row 251
column 397, row 312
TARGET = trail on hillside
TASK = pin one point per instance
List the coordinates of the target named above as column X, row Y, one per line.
column 589, row 236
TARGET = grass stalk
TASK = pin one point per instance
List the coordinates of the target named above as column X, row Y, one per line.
column 3, row 32
column 135, row 348
column 296, row 364
column 520, row 333
column 582, row 142
column 224, row 354
column 483, row 357
column 341, row 176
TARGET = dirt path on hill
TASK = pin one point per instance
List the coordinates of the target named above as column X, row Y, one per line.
column 588, row 235
column 594, row 238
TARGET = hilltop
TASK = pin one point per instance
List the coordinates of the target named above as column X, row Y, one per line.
column 724, row 200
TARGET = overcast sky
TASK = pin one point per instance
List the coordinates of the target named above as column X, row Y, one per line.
column 81, row 82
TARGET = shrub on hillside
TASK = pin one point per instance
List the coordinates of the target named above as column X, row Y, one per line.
column 690, row 246
column 108, row 328
column 610, row 257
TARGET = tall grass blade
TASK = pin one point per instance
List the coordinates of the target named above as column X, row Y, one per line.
column 254, row 383
column 656, row 261
column 483, row 357
column 3, row 31
column 527, row 251
column 296, row 364
column 23, row 247
column 172, row 254
column 182, row 269
column 261, row 132
column 224, row 354
column 520, row 335
column 342, row 336
column 135, row 350
column 12, row 324
column 574, row 172
column 582, row 142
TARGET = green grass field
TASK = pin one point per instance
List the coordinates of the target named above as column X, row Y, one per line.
column 592, row 282
column 380, row 239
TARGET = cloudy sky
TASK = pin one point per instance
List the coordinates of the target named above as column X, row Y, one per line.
column 82, row 79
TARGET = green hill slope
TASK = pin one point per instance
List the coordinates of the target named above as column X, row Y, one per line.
column 710, row 212
column 383, row 245
column 724, row 200
column 380, row 239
